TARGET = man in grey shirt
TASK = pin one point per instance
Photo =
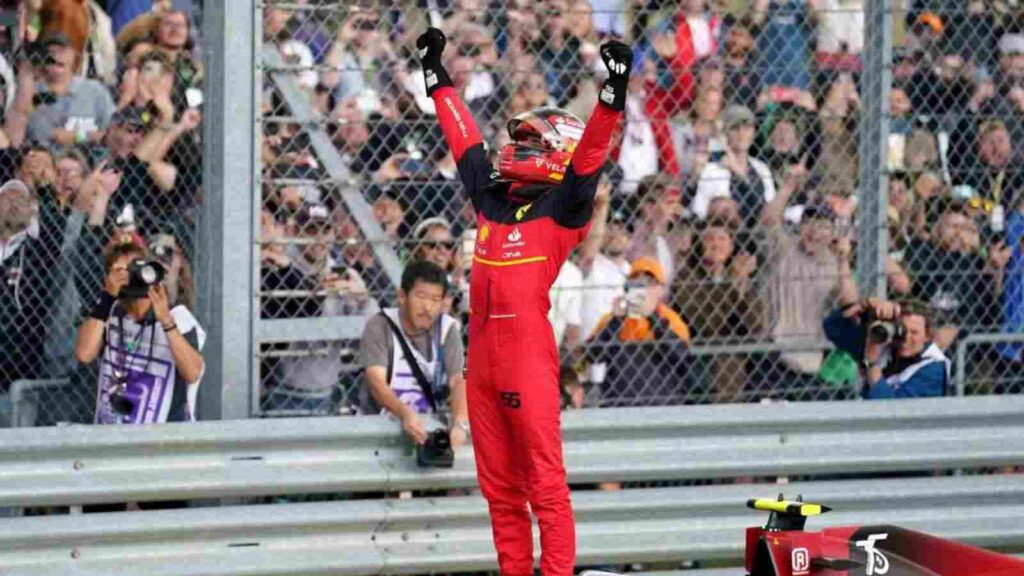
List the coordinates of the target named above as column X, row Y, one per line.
column 435, row 341
column 65, row 109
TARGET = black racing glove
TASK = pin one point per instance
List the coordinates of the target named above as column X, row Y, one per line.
column 430, row 45
column 618, row 59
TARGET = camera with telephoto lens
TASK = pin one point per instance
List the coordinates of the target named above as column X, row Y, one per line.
column 881, row 331
column 436, row 452
column 142, row 274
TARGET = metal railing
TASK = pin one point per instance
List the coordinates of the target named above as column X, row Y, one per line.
column 353, row 536
column 97, row 464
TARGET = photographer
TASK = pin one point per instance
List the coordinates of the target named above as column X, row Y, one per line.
column 150, row 366
column 894, row 343
column 416, row 327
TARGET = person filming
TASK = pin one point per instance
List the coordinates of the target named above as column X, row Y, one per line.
column 894, row 343
column 150, row 366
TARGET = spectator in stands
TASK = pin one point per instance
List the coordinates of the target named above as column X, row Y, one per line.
column 742, row 82
column 602, row 260
column 531, row 94
column 909, row 366
column 566, row 311
column 359, row 46
column 679, row 45
column 660, row 207
column 573, row 393
column 559, row 50
column 945, row 89
column 434, row 243
column 149, row 351
column 803, row 274
column 64, row 109
column 784, row 41
column 390, row 214
column 1013, row 284
column 36, row 168
column 435, row 341
column 836, row 164
column 437, row 244
column 700, row 135
column 1001, row 97
column 952, row 275
column 86, row 26
column 305, row 379
column 717, row 296
column 293, row 52
column 71, row 168
column 785, row 150
column 995, row 175
column 170, row 30
column 735, row 173
column 277, row 273
column 654, row 376
column 27, row 262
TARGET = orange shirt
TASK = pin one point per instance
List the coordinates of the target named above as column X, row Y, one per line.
column 635, row 328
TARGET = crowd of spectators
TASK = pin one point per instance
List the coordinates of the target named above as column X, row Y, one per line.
column 736, row 171
column 100, row 150
column 730, row 203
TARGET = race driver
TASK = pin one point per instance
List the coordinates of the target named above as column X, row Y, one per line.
column 531, row 212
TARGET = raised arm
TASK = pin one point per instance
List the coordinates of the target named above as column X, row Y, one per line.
column 457, row 124
column 577, row 194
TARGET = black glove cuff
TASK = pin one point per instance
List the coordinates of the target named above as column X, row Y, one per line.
column 101, row 310
column 436, row 77
column 613, row 94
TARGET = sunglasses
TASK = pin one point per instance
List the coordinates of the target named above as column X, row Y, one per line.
column 446, row 244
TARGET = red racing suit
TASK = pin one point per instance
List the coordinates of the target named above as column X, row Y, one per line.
column 512, row 364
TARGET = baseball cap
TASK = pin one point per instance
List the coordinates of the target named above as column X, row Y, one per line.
column 130, row 116
column 737, row 115
column 931, row 20
column 647, row 265
column 15, row 187
column 1011, row 44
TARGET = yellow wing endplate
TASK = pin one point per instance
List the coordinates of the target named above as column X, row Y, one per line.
column 787, row 507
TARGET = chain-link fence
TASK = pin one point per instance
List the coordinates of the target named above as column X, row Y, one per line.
column 736, row 171
column 736, row 174
column 100, row 148
column 956, row 209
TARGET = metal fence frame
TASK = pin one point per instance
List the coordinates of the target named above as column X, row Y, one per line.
column 229, row 246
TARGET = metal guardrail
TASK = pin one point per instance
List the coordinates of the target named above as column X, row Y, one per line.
column 427, row 535
column 248, row 458
column 74, row 465
column 96, row 464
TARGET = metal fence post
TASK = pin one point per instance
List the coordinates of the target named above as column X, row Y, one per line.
column 228, row 217
column 876, row 80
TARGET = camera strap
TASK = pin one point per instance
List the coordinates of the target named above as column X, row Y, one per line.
column 414, row 365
